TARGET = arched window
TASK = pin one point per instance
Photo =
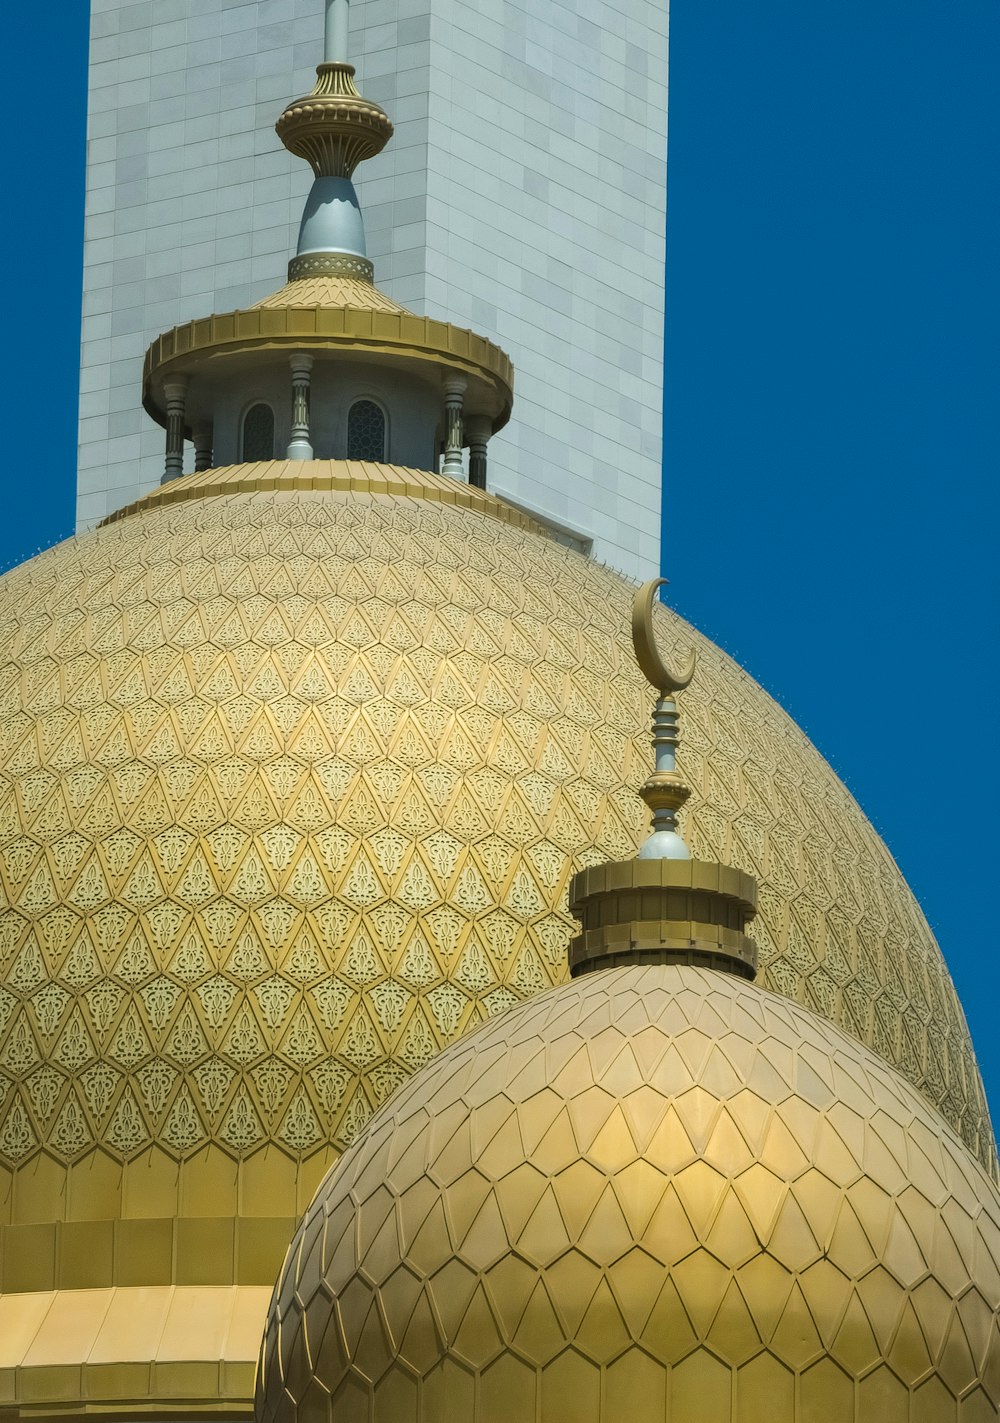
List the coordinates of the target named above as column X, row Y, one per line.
column 366, row 432
column 258, row 433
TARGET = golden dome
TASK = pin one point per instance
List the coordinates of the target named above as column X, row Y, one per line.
column 296, row 763
column 654, row 1192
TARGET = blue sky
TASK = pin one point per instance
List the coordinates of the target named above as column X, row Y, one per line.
column 832, row 411
column 832, row 415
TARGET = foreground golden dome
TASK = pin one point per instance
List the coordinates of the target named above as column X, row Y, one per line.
column 656, row 1192
column 297, row 761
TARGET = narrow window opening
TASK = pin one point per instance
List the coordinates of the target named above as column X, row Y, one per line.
column 258, row 433
column 366, row 432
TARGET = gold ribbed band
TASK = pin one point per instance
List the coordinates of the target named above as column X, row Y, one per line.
column 352, row 478
column 174, row 1351
column 330, row 264
column 663, row 911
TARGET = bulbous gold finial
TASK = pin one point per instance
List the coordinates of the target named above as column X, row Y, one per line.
column 334, row 128
column 661, row 677
column 664, row 791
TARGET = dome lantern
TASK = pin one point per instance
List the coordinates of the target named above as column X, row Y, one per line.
column 329, row 367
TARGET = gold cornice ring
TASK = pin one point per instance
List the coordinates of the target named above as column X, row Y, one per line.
column 661, row 677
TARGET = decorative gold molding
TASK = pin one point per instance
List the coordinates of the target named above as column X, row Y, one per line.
column 398, row 336
column 330, row 264
column 218, row 1250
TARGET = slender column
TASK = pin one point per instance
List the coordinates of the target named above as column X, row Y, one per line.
column 454, row 395
column 480, row 428
column 338, row 13
column 300, row 447
column 202, row 448
column 175, row 392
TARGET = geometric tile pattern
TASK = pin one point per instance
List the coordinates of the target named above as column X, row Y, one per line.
column 330, row 291
column 656, row 1192
column 291, row 788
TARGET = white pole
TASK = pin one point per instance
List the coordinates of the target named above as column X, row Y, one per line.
column 337, row 16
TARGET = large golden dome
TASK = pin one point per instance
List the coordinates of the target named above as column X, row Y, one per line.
column 304, row 755
column 297, row 761
column 654, row 1192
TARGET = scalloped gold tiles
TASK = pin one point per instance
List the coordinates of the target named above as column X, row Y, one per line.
column 656, row 1189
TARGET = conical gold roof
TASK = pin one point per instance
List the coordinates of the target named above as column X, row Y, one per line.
column 327, row 291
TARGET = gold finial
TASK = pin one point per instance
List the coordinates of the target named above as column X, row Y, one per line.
column 656, row 672
column 334, row 128
column 664, row 791
column 663, row 906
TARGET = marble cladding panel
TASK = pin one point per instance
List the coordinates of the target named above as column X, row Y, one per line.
column 523, row 195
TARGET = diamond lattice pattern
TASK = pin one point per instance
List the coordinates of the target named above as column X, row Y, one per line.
column 291, row 789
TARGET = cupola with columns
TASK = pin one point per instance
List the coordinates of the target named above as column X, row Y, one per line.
column 329, row 367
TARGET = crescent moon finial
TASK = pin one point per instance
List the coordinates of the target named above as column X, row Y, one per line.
column 662, row 678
